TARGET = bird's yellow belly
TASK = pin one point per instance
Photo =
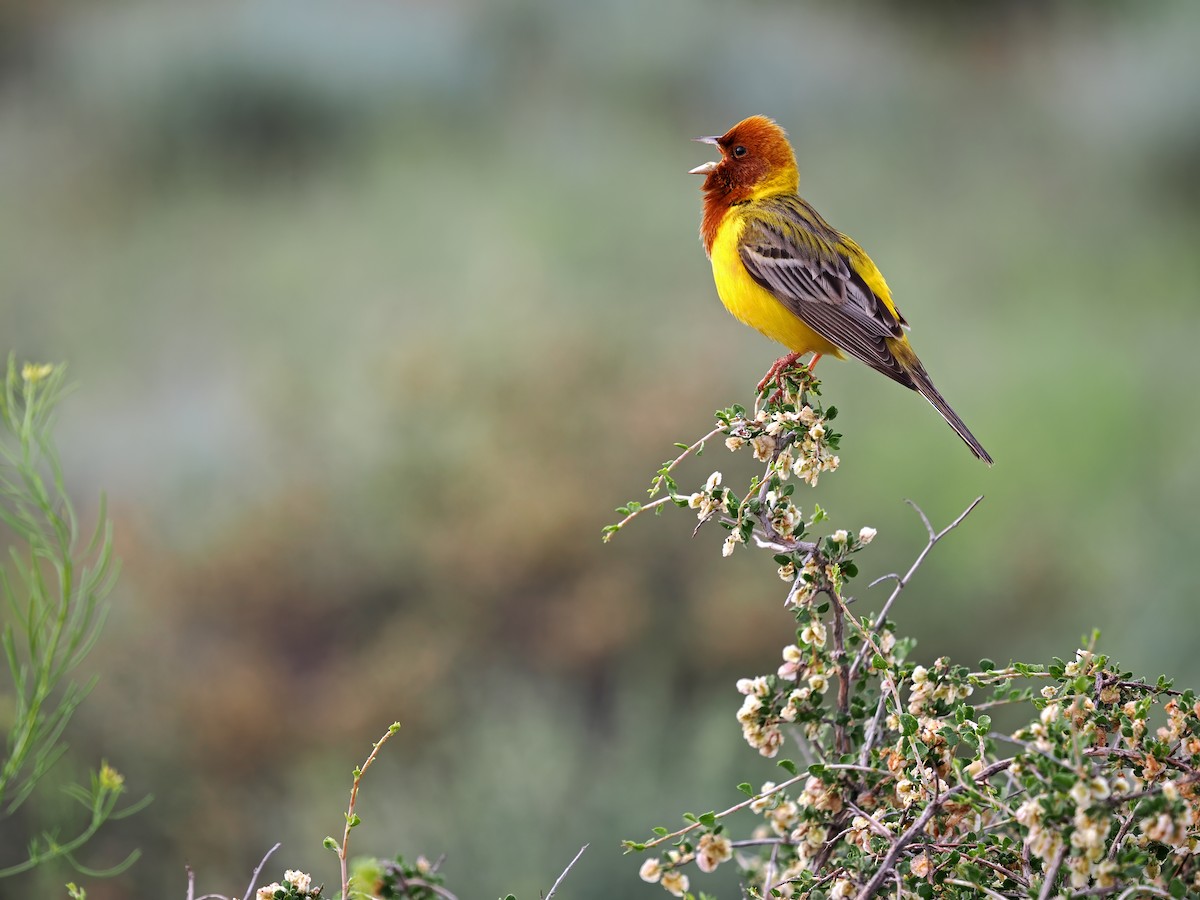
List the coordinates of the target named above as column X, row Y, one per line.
column 753, row 304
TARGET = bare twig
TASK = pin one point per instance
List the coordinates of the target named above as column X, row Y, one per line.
column 558, row 881
column 839, row 658
column 901, row 583
column 258, row 871
column 1052, row 875
column 769, row 878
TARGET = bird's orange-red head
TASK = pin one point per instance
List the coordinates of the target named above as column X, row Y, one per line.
column 756, row 161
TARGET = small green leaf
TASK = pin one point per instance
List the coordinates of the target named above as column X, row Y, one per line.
column 660, row 831
column 746, row 789
column 709, row 820
column 908, row 724
column 986, row 665
column 816, row 770
column 330, row 844
column 787, row 765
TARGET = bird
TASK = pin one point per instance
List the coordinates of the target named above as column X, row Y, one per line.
column 780, row 268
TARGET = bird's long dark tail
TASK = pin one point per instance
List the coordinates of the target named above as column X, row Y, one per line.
column 924, row 384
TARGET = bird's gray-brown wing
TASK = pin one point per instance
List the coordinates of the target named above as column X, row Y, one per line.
column 793, row 253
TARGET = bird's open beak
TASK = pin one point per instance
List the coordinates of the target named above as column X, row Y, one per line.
column 708, row 166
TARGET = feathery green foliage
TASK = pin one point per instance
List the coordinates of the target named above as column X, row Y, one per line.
column 54, row 587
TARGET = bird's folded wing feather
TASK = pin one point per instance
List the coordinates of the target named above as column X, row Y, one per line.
column 800, row 263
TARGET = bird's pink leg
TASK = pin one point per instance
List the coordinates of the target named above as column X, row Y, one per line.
column 780, row 365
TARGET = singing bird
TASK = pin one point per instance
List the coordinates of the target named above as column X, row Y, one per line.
column 782, row 269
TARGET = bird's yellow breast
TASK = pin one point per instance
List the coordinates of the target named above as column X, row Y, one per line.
column 750, row 302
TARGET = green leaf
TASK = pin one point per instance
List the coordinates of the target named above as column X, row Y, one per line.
column 986, row 665
column 746, row 789
column 709, row 820
column 908, row 724
column 660, row 831
column 330, row 844
column 787, row 765
column 816, row 770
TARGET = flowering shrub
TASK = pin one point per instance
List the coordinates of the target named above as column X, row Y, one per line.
column 905, row 788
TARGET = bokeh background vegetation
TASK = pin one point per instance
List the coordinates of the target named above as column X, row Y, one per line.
column 377, row 309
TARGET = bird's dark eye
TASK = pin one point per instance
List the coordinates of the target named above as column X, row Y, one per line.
column 739, row 150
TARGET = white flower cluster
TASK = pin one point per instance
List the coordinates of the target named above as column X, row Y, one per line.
column 795, row 442
column 763, row 736
column 301, row 881
column 928, row 685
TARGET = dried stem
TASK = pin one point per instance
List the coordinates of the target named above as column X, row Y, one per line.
column 902, row 582
column 558, row 881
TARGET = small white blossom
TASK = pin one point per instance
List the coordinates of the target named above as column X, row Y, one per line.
column 651, row 870
column 763, row 446
column 866, row 534
column 841, row 536
column 1080, row 793
column 813, row 633
column 675, row 882
column 268, row 892
column 713, row 850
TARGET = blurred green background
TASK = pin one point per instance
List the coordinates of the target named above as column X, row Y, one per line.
column 377, row 309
